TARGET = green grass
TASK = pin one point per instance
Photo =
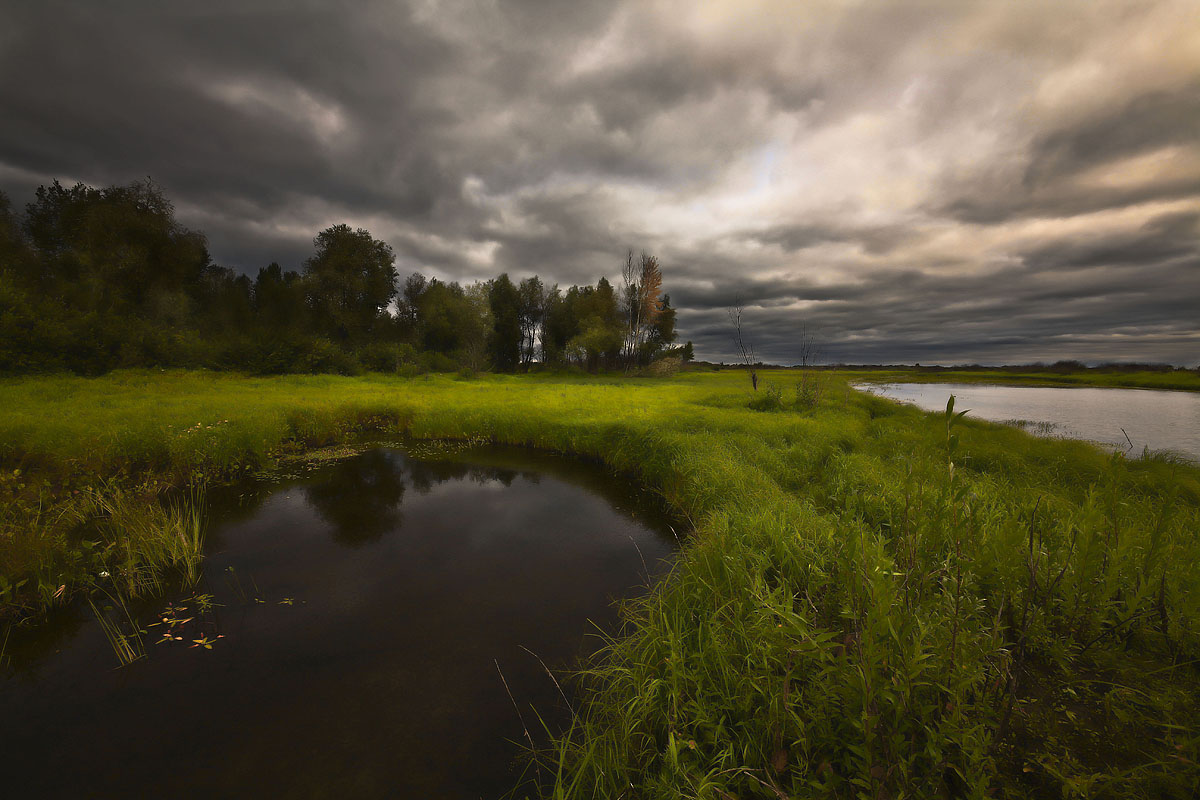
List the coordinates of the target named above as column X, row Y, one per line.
column 875, row 603
column 1178, row 380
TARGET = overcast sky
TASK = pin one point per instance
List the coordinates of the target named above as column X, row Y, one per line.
column 920, row 182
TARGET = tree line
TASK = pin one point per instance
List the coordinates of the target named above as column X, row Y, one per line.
column 93, row 279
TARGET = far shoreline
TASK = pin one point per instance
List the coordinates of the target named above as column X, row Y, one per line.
column 1138, row 376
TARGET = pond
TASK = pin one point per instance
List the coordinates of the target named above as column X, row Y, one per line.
column 375, row 625
column 1159, row 420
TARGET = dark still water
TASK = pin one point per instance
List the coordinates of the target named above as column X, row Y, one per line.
column 362, row 611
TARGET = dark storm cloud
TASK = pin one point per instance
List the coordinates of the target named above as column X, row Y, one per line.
column 257, row 105
column 1106, row 297
column 914, row 182
column 909, row 317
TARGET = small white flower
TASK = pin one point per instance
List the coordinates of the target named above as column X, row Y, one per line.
column 103, row 574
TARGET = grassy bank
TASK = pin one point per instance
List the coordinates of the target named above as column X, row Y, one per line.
column 1176, row 380
column 877, row 602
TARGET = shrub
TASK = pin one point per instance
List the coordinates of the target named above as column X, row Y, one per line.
column 439, row 362
column 324, row 356
column 380, row 356
column 769, row 400
column 663, row 367
column 808, row 390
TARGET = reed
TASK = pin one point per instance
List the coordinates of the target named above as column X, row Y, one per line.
column 120, row 628
column 146, row 542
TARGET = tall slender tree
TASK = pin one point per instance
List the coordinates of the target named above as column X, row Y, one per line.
column 533, row 312
column 642, row 300
column 505, row 301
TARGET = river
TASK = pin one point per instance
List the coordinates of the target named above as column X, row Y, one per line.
column 1128, row 419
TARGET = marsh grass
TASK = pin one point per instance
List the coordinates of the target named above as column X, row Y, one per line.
column 876, row 601
column 120, row 627
column 809, row 388
column 770, row 400
column 144, row 541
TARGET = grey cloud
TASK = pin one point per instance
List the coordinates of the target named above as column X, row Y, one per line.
column 873, row 239
column 1144, row 123
column 985, row 318
column 478, row 138
column 1040, row 182
column 1161, row 238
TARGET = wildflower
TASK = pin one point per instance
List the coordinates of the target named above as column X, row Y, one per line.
column 103, row 573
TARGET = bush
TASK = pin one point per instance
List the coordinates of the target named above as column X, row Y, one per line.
column 770, row 400
column 411, row 370
column 380, row 356
column 408, row 354
column 325, row 356
column 663, row 367
column 439, row 362
column 808, row 390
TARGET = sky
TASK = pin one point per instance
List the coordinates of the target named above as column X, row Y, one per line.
column 957, row 182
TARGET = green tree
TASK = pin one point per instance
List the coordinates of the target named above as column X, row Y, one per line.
column 560, row 324
column 279, row 299
column 661, row 333
column 447, row 320
column 350, row 280
column 598, row 326
column 598, row 345
column 476, row 326
column 117, row 250
column 533, row 313
column 505, row 302
column 408, row 305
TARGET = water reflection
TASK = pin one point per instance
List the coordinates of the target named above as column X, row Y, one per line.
column 360, row 500
column 364, row 610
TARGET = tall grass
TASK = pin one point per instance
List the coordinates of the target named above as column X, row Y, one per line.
column 120, row 628
column 877, row 602
column 143, row 542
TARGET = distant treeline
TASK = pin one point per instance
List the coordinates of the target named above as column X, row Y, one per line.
column 96, row 279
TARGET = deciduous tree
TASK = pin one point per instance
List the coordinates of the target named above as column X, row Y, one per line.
column 505, row 302
column 351, row 280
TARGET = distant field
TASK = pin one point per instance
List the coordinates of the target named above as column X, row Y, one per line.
column 876, row 601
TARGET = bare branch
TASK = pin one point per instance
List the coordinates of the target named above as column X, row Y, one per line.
column 746, row 349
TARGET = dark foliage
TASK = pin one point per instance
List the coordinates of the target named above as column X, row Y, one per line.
column 97, row 279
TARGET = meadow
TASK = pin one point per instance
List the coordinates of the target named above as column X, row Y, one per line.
column 874, row 602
